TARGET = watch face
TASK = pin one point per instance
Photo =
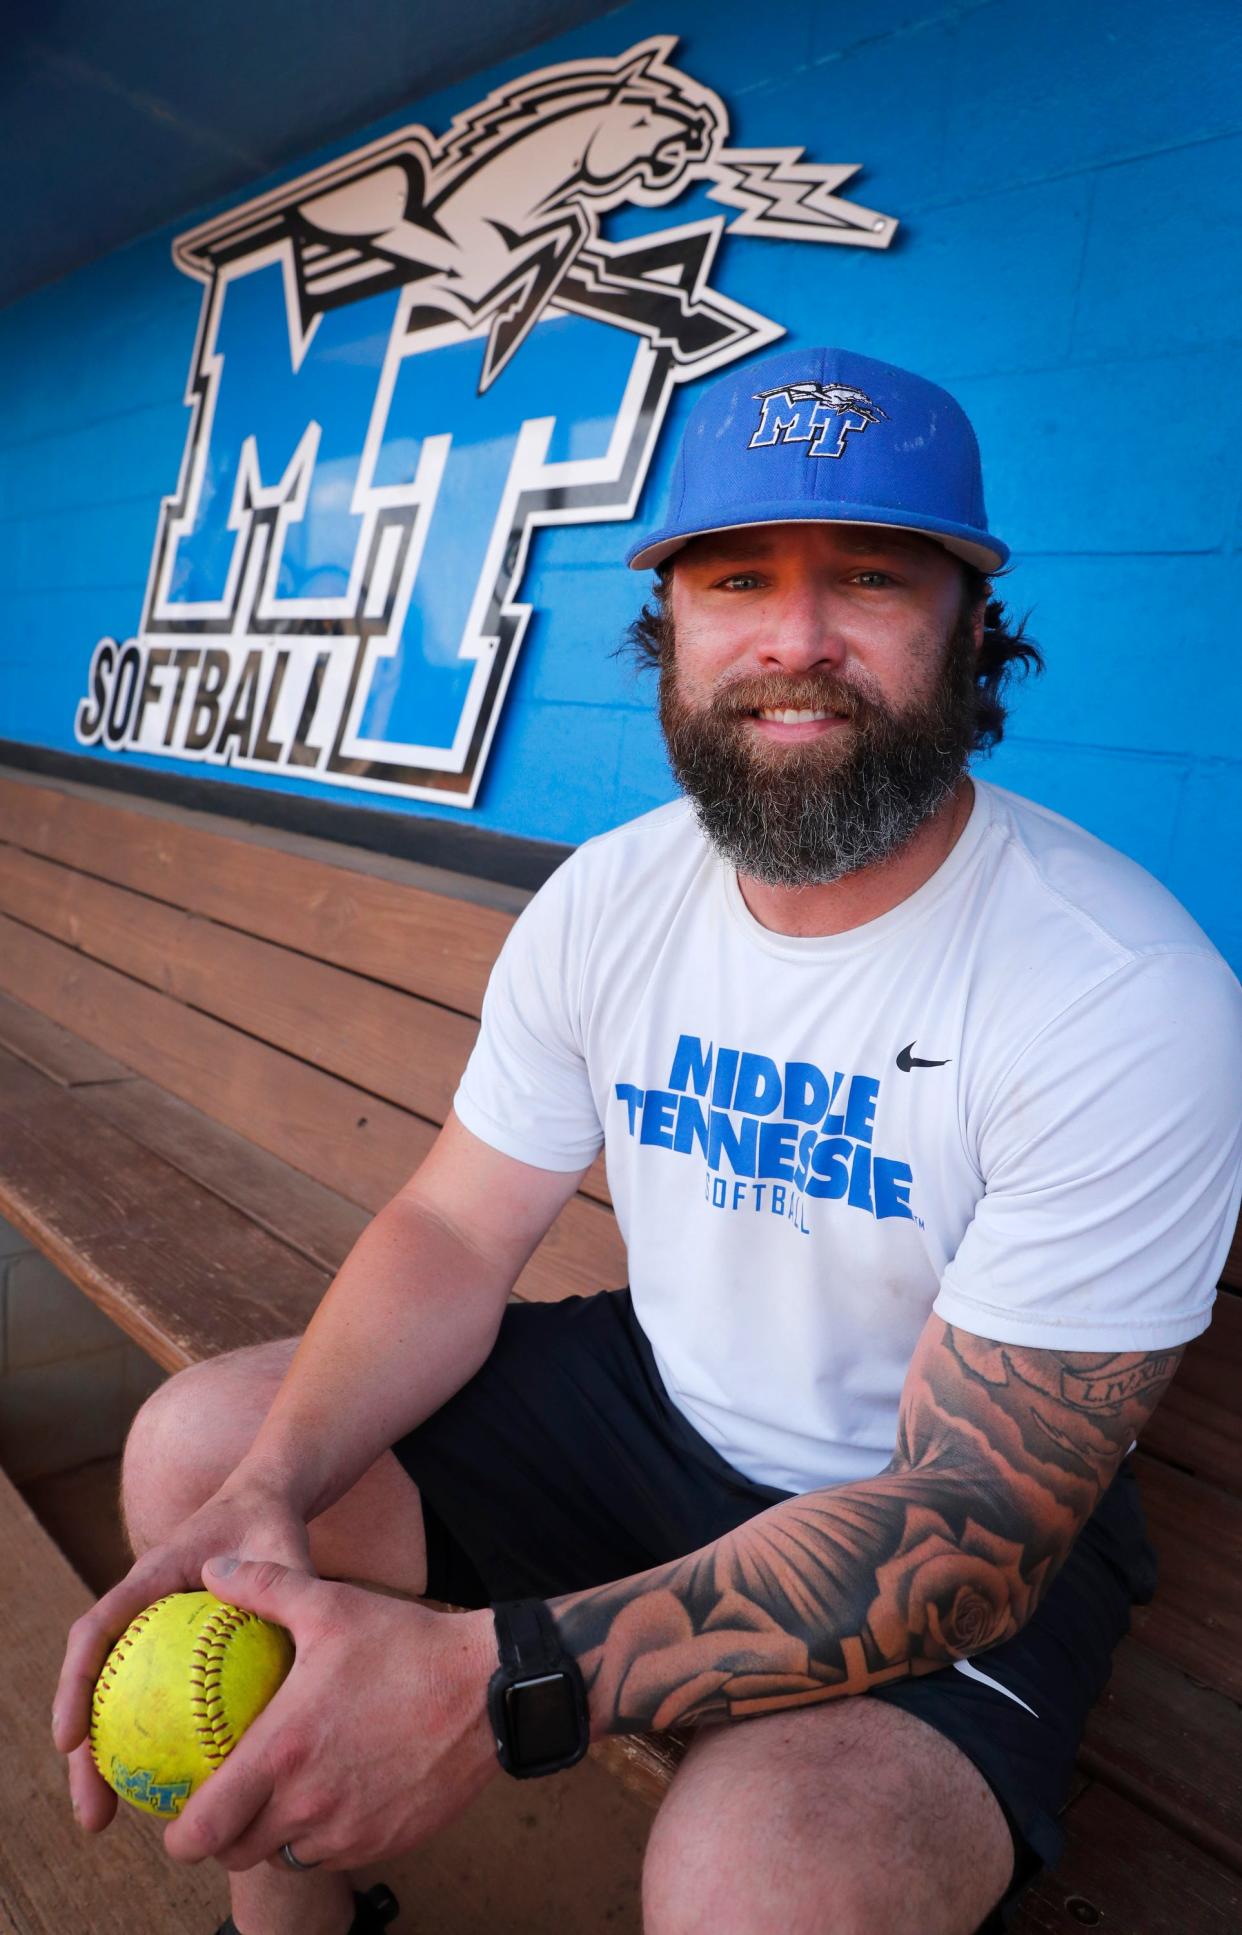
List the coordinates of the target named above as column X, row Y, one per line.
column 543, row 1722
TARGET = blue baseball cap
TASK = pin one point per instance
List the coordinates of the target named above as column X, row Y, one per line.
column 827, row 436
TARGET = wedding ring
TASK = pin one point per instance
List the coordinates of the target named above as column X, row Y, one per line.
column 291, row 1861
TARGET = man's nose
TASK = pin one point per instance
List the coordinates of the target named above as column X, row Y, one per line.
column 804, row 632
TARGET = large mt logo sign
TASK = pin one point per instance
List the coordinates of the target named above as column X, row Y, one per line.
column 406, row 361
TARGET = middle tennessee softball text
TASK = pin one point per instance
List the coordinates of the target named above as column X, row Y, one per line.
column 791, row 1126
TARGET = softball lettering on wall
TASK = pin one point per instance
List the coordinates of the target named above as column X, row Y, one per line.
column 407, row 361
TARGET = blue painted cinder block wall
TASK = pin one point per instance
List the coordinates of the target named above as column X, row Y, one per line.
column 1069, row 263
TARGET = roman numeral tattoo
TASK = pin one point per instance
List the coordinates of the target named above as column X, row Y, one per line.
column 1002, row 1455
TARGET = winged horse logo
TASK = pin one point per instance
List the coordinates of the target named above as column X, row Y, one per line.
column 837, row 397
column 501, row 217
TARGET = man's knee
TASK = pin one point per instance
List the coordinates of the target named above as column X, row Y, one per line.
column 194, row 1430
column 713, row 1875
column 723, row 1855
column 840, row 1820
column 704, row 1874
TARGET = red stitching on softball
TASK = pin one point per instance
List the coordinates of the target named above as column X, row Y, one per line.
column 214, row 1733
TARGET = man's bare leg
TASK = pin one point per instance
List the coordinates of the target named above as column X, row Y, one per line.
column 849, row 1818
column 183, row 1444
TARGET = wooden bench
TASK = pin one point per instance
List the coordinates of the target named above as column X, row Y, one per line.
column 223, row 1048
column 133, row 1883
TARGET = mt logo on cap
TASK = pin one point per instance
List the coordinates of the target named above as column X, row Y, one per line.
column 812, row 413
column 911, row 461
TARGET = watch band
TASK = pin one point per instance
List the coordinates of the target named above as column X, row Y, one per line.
column 531, row 1655
column 527, row 1637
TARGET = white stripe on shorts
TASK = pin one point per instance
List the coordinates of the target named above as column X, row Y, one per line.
column 972, row 1672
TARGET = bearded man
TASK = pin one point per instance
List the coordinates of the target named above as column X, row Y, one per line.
column 916, row 1101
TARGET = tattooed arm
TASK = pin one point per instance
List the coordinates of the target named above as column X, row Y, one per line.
column 1002, row 1454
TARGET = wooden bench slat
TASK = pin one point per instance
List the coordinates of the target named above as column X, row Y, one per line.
column 644, row 1763
column 307, row 1215
column 176, row 1268
column 54, row 1878
column 304, row 1214
column 582, row 1252
column 1199, row 1437
column 47, row 1046
column 1172, row 1747
column 1198, row 1423
column 310, row 1217
column 1212, row 1365
column 408, row 1050
column 1138, row 1876
column 359, row 1145
column 1195, row 1620
column 380, row 1039
column 428, row 943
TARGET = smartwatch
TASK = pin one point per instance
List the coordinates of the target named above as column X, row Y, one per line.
column 536, row 1698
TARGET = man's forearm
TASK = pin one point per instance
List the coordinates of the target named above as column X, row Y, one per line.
column 818, row 1596
column 410, row 1316
column 1002, row 1455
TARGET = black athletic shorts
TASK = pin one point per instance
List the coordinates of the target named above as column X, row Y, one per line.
column 564, row 1464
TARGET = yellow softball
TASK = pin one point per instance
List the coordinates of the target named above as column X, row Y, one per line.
column 176, row 1694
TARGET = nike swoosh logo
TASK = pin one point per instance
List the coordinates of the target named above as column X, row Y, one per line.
column 972, row 1672
column 906, row 1061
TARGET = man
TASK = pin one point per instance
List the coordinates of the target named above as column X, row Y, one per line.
column 916, row 1103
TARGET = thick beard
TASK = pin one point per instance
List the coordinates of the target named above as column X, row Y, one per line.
column 805, row 815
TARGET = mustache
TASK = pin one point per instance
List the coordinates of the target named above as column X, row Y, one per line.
column 813, row 692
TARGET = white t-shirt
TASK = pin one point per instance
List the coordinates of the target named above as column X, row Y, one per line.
column 1012, row 1100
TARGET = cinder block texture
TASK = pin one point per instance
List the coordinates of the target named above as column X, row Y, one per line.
column 142, row 1377
column 56, row 1416
column 1134, row 802
column 12, row 1242
column 1086, row 460
column 1211, row 798
column 1185, row 648
column 71, row 1382
column 49, row 1319
column 1182, row 212
column 1051, row 87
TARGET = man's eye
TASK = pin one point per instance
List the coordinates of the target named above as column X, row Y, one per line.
column 738, row 581
column 881, row 578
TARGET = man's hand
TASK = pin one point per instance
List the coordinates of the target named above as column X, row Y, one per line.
column 378, row 1736
column 246, row 1515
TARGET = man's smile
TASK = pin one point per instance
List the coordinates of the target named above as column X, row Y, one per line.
column 787, row 724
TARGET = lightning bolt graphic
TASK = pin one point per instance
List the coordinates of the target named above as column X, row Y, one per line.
column 780, row 194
